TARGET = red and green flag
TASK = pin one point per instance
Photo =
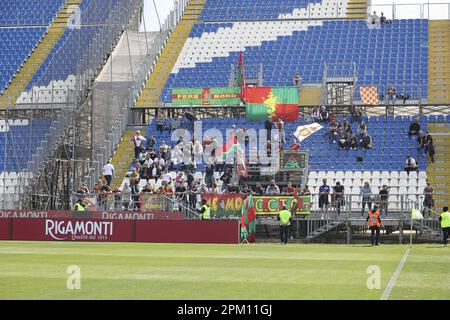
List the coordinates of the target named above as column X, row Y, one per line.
column 272, row 103
column 234, row 147
column 248, row 220
column 241, row 75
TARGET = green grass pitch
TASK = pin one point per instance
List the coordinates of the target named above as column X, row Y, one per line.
column 38, row 270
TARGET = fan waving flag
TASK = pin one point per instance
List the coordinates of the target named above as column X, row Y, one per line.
column 248, row 218
column 233, row 147
column 241, row 75
column 272, row 103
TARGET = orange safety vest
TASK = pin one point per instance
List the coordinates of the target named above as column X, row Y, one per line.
column 374, row 219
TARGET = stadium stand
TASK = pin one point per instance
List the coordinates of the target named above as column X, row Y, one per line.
column 16, row 45
column 285, row 47
column 382, row 165
column 18, row 142
column 29, row 12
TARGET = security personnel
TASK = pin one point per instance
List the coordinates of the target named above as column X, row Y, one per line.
column 284, row 216
column 445, row 225
column 374, row 224
column 205, row 211
column 79, row 205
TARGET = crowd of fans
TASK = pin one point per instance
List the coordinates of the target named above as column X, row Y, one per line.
column 341, row 133
column 152, row 173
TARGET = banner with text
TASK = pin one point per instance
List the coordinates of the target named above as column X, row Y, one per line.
column 184, row 97
column 231, row 204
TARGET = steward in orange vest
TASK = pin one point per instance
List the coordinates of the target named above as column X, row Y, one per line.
column 374, row 225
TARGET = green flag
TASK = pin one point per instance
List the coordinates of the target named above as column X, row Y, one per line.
column 416, row 215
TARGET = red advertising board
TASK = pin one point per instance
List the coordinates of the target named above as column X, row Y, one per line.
column 72, row 230
column 5, row 229
column 119, row 230
column 109, row 215
column 188, row 231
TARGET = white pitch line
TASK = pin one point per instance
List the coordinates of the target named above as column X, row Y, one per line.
column 391, row 283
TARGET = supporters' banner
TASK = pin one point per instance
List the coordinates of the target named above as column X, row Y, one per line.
column 369, row 95
column 293, row 160
column 274, row 204
column 231, row 204
column 152, row 203
column 224, row 204
column 304, row 132
column 89, row 201
column 206, row 97
column 272, row 103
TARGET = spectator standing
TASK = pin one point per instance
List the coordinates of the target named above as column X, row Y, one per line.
column 383, row 19
column 316, row 115
column 259, row 191
column 384, row 197
column 151, row 142
column 272, row 189
column 391, row 94
column 428, row 201
column 297, row 79
column 366, row 193
column 306, row 191
column 429, row 147
column 288, row 190
column 280, row 126
column 338, row 192
column 356, row 115
column 160, row 122
column 138, row 141
column 214, row 189
column 324, row 192
column 126, row 196
column 226, row 177
column 323, row 114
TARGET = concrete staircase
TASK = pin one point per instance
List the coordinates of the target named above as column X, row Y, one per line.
column 123, row 157
column 160, row 74
column 439, row 62
column 439, row 171
column 32, row 65
column 357, row 9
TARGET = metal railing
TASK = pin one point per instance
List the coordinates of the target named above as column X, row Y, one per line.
column 118, row 127
column 154, row 203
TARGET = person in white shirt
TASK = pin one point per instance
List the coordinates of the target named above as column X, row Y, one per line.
column 176, row 155
column 198, row 152
column 138, row 141
column 159, row 161
column 167, row 177
column 126, row 196
column 108, row 172
column 410, row 164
